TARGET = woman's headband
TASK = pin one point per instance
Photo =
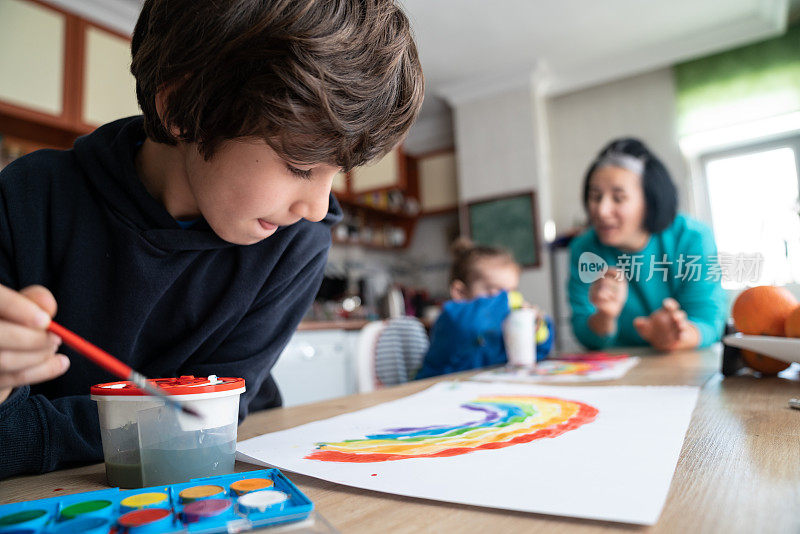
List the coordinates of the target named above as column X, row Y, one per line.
column 622, row 160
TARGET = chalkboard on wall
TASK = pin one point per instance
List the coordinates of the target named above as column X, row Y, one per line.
column 508, row 222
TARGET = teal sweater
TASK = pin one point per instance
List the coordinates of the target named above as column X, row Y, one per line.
column 684, row 254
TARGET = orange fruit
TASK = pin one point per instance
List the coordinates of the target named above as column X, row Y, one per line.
column 763, row 364
column 792, row 324
column 762, row 311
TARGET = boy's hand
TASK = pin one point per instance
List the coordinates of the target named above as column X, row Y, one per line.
column 668, row 328
column 27, row 349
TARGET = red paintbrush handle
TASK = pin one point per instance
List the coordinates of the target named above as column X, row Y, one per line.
column 94, row 353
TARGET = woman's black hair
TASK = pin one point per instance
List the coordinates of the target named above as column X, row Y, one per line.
column 661, row 196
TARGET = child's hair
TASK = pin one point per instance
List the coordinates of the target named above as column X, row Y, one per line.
column 467, row 254
column 334, row 81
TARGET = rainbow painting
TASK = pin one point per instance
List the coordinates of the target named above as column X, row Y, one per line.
column 564, row 367
column 506, row 420
column 611, row 457
column 568, row 368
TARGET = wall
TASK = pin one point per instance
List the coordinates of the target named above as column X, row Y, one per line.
column 581, row 123
column 496, row 153
column 502, row 148
column 430, row 133
column 426, row 263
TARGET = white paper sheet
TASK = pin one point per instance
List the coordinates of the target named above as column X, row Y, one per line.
column 562, row 371
column 616, row 467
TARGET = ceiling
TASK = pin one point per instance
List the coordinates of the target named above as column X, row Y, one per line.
column 474, row 46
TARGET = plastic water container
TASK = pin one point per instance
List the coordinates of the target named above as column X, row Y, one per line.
column 146, row 443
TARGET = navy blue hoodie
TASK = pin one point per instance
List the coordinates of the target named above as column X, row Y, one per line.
column 167, row 301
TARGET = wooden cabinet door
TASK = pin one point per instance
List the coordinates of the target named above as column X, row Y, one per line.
column 109, row 89
column 32, row 42
column 438, row 181
column 388, row 173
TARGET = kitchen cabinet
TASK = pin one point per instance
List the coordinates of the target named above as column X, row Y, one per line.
column 32, row 48
column 62, row 75
column 379, row 202
column 383, row 201
column 437, row 180
column 109, row 89
column 387, row 173
column 373, row 227
column 385, row 217
column 317, row 365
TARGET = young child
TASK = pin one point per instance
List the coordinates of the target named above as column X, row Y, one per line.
column 469, row 332
column 192, row 240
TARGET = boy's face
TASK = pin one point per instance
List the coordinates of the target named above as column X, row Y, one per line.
column 247, row 190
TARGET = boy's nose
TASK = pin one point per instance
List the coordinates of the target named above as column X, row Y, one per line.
column 313, row 207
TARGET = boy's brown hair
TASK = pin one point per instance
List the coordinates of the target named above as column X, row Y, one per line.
column 321, row 81
column 466, row 256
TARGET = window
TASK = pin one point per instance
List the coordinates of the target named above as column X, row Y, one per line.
column 752, row 203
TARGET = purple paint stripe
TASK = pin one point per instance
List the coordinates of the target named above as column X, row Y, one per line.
column 491, row 416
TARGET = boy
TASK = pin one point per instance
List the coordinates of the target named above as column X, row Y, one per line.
column 193, row 239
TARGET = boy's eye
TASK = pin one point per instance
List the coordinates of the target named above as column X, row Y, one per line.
column 299, row 172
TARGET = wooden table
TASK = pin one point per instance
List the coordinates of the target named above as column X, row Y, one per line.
column 739, row 469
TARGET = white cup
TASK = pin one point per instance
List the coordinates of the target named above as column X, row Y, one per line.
column 519, row 336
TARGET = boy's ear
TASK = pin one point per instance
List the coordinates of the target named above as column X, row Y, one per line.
column 161, row 103
column 458, row 290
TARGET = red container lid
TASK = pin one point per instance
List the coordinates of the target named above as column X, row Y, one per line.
column 183, row 385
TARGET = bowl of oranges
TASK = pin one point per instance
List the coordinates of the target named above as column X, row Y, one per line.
column 768, row 321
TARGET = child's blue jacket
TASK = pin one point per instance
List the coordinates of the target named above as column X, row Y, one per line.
column 469, row 335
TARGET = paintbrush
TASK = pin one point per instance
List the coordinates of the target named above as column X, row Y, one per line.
column 116, row 367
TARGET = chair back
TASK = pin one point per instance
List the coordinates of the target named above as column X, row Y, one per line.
column 365, row 356
column 390, row 352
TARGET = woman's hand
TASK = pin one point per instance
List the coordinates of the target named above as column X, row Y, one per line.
column 668, row 328
column 608, row 296
column 27, row 349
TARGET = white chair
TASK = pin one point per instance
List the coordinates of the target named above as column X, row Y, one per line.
column 366, row 380
column 389, row 352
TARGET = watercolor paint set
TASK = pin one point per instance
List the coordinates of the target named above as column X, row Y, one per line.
column 239, row 502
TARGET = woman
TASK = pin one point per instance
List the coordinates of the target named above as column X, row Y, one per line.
column 662, row 286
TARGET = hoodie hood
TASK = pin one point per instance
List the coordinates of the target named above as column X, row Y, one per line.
column 107, row 157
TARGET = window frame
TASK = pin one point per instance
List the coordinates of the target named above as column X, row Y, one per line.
column 703, row 204
column 786, row 141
